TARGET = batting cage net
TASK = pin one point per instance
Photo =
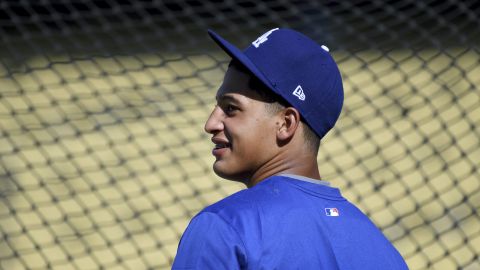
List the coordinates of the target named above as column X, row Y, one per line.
column 103, row 157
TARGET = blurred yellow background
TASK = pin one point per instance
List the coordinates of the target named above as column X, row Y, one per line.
column 104, row 159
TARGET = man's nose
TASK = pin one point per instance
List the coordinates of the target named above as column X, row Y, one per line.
column 214, row 122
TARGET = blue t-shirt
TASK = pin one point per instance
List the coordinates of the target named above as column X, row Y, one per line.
column 285, row 223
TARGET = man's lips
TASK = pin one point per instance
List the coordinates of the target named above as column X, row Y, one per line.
column 221, row 146
column 220, row 142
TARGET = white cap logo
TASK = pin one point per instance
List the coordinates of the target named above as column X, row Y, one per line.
column 263, row 38
column 298, row 92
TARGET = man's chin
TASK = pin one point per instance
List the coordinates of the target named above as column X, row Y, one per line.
column 219, row 168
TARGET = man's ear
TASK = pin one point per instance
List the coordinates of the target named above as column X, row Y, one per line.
column 289, row 123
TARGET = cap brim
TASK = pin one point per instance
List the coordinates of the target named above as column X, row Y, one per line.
column 238, row 55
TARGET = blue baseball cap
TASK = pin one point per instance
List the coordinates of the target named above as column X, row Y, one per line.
column 296, row 68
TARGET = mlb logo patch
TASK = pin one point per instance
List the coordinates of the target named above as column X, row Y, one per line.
column 332, row 212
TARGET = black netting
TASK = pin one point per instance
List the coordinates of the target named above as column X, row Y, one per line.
column 103, row 159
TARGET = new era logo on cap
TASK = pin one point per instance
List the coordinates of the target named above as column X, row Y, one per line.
column 298, row 92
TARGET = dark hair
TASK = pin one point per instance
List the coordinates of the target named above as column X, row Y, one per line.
column 275, row 103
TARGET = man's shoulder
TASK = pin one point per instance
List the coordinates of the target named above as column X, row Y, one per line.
column 243, row 200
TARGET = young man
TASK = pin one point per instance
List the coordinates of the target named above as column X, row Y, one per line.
column 279, row 97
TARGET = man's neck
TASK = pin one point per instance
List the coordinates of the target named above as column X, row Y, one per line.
column 305, row 165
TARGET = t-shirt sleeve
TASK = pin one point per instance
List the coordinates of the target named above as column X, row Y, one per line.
column 209, row 242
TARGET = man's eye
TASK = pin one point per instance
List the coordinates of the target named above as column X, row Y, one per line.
column 230, row 108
